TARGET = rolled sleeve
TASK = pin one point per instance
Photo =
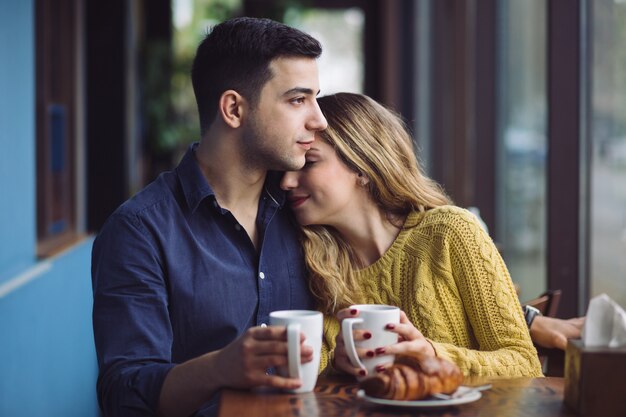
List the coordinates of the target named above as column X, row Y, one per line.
column 132, row 329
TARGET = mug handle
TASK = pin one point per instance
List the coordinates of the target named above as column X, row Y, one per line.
column 293, row 349
column 348, row 338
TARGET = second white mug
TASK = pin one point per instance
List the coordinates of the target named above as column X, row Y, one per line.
column 373, row 318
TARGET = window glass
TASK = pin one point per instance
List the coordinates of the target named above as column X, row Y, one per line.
column 522, row 143
column 171, row 113
column 340, row 31
column 608, row 162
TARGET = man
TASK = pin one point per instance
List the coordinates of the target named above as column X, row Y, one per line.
column 186, row 273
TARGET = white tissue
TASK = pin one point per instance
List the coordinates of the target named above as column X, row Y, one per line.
column 605, row 324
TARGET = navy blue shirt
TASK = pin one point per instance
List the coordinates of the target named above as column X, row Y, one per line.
column 176, row 276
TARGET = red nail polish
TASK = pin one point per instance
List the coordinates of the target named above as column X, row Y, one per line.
column 380, row 368
column 390, row 326
column 353, row 311
column 362, row 372
column 380, row 351
column 370, row 354
column 367, row 335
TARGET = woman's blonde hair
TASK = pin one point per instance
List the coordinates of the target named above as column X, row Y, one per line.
column 374, row 142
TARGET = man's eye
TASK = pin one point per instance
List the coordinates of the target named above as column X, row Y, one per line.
column 297, row 100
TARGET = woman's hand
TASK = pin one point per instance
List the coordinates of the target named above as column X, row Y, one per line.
column 410, row 340
column 340, row 360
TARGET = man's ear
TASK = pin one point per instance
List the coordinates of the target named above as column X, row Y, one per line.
column 231, row 107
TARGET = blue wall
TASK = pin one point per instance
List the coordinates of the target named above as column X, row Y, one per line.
column 47, row 358
column 48, row 365
column 17, row 136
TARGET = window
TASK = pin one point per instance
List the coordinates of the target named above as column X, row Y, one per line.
column 522, row 144
column 57, row 73
column 340, row 31
column 608, row 158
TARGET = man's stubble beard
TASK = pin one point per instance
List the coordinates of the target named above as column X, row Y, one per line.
column 260, row 153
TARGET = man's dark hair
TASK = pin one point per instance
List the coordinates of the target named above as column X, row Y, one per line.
column 236, row 55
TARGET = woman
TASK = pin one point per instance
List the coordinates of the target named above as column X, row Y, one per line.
column 377, row 230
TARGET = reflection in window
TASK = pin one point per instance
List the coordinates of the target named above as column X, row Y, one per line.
column 608, row 172
column 522, row 144
column 171, row 113
column 340, row 31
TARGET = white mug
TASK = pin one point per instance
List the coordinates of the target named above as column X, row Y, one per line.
column 311, row 324
column 373, row 318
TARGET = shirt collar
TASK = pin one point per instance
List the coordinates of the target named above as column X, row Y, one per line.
column 196, row 188
column 272, row 188
column 194, row 185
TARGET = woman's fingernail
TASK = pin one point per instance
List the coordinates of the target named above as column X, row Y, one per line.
column 380, row 368
column 380, row 351
column 367, row 335
column 370, row 354
column 362, row 372
column 390, row 326
column 353, row 311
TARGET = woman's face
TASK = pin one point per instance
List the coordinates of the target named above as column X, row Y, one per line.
column 325, row 191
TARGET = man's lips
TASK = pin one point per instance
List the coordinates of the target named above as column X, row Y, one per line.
column 297, row 201
column 305, row 144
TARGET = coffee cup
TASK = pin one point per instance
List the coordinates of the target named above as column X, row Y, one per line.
column 373, row 318
column 310, row 323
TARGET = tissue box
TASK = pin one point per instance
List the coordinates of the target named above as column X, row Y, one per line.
column 595, row 382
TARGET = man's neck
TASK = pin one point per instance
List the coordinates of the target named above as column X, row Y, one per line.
column 234, row 182
column 237, row 187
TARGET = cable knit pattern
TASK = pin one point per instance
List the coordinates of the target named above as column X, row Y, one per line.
column 446, row 274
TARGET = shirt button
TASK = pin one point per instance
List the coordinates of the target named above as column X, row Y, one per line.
column 238, row 227
column 261, row 275
column 263, row 325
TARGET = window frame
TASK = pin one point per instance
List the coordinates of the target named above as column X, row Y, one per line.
column 58, row 126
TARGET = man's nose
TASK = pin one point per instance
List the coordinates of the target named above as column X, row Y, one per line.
column 318, row 121
column 289, row 181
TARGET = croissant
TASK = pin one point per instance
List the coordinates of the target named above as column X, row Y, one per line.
column 414, row 378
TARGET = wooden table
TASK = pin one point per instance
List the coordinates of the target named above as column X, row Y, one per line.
column 336, row 397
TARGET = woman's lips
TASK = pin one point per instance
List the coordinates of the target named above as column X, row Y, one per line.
column 297, row 201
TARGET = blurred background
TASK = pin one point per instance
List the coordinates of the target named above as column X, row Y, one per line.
column 518, row 108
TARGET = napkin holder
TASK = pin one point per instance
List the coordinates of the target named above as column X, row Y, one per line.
column 595, row 383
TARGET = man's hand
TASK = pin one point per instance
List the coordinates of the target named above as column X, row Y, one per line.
column 243, row 363
column 550, row 332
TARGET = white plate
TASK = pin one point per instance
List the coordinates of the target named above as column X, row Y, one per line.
column 470, row 396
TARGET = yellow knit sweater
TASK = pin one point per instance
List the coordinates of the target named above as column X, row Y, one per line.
column 445, row 273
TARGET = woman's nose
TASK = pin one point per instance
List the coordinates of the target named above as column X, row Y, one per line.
column 289, row 181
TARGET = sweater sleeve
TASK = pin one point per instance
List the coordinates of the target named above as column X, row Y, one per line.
column 490, row 303
column 331, row 329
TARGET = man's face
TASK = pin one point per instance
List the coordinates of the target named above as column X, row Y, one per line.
column 282, row 127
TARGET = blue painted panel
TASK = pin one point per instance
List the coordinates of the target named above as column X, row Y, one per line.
column 49, row 365
column 17, row 136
